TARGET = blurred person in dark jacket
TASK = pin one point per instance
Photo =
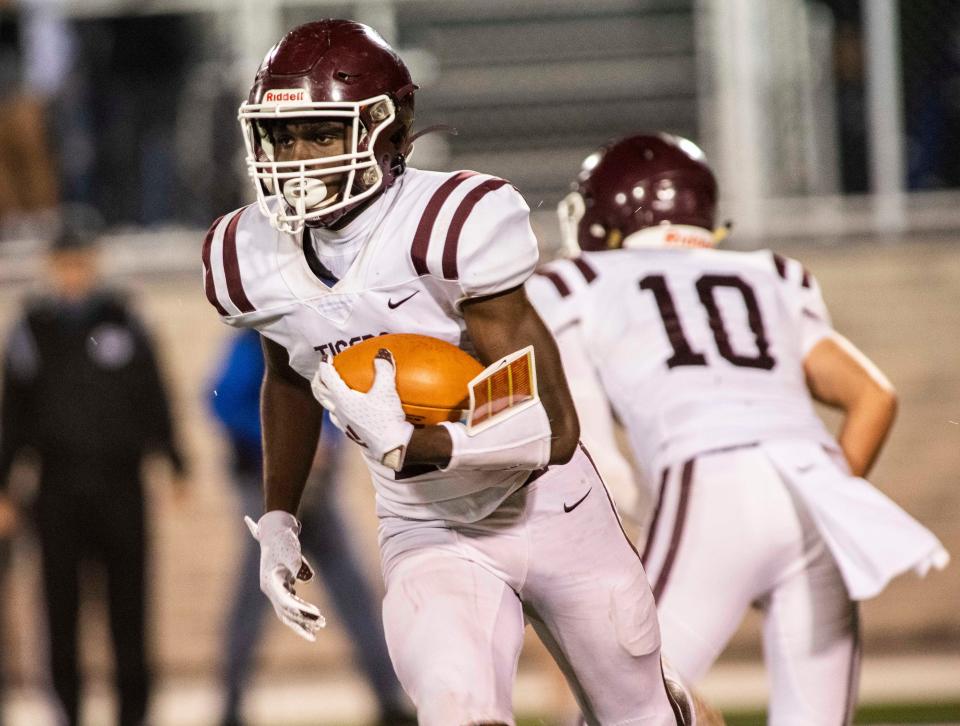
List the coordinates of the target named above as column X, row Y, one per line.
column 235, row 401
column 137, row 66
column 83, row 402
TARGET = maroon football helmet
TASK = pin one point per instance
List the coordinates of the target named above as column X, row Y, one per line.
column 640, row 181
column 329, row 69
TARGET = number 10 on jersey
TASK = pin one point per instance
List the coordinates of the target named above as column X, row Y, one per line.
column 683, row 352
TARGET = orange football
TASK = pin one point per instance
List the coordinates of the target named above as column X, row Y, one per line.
column 432, row 375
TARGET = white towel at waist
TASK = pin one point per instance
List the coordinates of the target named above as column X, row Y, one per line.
column 871, row 538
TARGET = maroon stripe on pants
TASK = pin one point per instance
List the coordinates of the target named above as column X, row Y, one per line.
column 656, row 516
column 450, row 271
column 686, row 477
column 781, row 264
column 609, row 500
column 677, row 712
column 557, row 281
column 853, row 674
column 231, row 267
column 421, row 239
column 589, row 274
column 208, row 285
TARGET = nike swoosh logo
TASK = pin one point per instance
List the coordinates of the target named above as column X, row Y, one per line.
column 394, row 305
column 569, row 508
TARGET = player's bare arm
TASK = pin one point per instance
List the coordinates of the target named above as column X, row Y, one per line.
column 291, row 427
column 430, row 445
column 840, row 375
column 290, row 419
column 502, row 324
column 499, row 325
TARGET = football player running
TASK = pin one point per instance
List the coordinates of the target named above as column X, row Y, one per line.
column 478, row 528
column 712, row 360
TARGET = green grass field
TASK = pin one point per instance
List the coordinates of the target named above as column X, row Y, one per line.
column 900, row 713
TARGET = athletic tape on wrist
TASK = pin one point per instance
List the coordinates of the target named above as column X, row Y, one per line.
column 521, row 441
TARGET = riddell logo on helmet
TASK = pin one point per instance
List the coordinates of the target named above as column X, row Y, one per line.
column 285, row 95
column 685, row 240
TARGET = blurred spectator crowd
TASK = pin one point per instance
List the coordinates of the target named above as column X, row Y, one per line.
column 92, row 115
column 134, row 113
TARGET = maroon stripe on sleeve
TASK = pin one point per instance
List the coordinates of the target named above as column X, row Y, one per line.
column 805, row 281
column 450, row 271
column 231, row 267
column 656, row 516
column 686, row 477
column 781, row 264
column 421, row 239
column 208, row 285
column 589, row 274
column 557, row 281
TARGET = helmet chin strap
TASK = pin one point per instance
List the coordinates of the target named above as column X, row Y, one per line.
column 306, row 194
column 302, row 195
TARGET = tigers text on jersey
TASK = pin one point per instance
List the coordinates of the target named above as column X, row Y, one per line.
column 669, row 327
column 435, row 240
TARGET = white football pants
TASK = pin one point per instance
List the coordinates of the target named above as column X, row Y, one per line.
column 553, row 551
column 727, row 535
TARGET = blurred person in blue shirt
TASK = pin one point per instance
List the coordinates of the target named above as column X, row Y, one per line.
column 83, row 402
column 235, row 401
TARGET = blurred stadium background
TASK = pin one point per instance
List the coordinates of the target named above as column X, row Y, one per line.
column 834, row 128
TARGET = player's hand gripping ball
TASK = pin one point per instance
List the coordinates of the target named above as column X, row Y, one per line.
column 432, row 375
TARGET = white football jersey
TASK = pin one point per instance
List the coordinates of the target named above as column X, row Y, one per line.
column 435, row 239
column 667, row 328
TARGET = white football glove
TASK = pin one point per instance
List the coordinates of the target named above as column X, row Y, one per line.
column 374, row 419
column 281, row 565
